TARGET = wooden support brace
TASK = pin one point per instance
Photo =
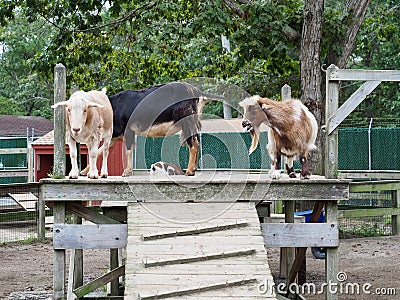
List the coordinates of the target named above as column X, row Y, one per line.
column 99, row 282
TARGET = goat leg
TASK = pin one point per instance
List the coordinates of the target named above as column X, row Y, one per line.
column 289, row 167
column 305, row 171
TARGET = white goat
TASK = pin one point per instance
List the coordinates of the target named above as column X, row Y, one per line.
column 292, row 130
column 89, row 119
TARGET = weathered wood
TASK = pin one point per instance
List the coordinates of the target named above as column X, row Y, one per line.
column 332, row 256
column 312, row 235
column 369, row 212
column 192, row 263
column 211, row 256
column 60, row 83
column 252, row 187
column 288, row 254
column 301, row 251
column 99, row 282
column 41, row 228
column 195, row 230
column 396, row 212
column 351, row 103
column 198, row 289
column 114, row 289
column 104, row 236
column 59, row 256
column 14, row 151
column 331, row 106
column 369, row 174
column 374, row 186
column 89, row 214
column 364, row 75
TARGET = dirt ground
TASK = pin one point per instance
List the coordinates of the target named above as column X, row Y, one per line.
column 369, row 263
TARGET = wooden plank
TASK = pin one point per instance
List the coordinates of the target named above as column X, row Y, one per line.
column 369, row 212
column 365, row 75
column 350, row 104
column 14, row 151
column 198, row 289
column 89, row 214
column 189, row 259
column 313, row 235
column 182, row 191
column 104, row 236
column 369, row 174
column 195, row 230
column 99, row 282
column 374, row 186
column 331, row 139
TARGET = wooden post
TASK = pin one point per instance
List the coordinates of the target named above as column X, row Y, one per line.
column 332, row 104
column 41, row 230
column 331, row 167
column 287, row 254
column 396, row 218
column 59, row 255
column 332, row 258
column 59, row 121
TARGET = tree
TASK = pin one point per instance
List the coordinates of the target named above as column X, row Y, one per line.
column 23, row 91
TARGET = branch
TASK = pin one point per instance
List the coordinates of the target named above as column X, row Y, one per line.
column 236, row 9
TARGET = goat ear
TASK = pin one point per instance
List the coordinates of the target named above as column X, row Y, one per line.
column 62, row 103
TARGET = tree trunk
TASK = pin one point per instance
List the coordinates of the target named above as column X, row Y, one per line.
column 311, row 70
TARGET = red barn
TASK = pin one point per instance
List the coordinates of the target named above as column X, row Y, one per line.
column 44, row 157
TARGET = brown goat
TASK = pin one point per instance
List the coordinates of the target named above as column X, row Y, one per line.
column 292, row 130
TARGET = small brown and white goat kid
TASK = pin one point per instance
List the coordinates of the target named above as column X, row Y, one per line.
column 89, row 119
column 292, row 130
column 163, row 168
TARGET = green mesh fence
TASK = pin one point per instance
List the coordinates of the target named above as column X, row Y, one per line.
column 218, row 151
column 229, row 150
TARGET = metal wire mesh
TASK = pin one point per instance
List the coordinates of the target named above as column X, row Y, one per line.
column 18, row 212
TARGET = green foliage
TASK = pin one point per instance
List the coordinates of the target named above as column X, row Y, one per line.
column 133, row 44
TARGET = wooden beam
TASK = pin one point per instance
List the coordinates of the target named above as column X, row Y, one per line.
column 312, row 235
column 370, row 212
column 374, row 186
column 89, row 214
column 351, row 103
column 365, row 75
column 104, row 236
column 14, row 151
column 370, row 174
column 99, row 282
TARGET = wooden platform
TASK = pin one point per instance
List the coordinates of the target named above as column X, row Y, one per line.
column 202, row 241
column 195, row 251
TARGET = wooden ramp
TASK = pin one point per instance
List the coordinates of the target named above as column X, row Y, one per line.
column 196, row 251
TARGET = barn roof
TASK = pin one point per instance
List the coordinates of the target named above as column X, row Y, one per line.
column 11, row 126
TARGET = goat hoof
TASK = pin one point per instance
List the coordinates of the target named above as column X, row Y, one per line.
column 306, row 176
column 104, row 175
column 292, row 175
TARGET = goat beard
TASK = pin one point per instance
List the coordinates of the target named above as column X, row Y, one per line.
column 255, row 136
